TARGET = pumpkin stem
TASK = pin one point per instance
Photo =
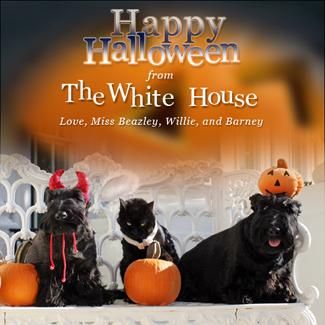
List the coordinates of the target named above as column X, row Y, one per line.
column 282, row 163
column 22, row 251
column 154, row 250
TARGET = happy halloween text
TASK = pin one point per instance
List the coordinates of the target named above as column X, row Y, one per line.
column 134, row 50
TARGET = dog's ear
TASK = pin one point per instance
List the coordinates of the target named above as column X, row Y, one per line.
column 256, row 201
column 292, row 206
column 43, row 224
column 49, row 196
column 88, row 204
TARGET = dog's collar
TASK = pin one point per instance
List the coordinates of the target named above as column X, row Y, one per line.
column 145, row 242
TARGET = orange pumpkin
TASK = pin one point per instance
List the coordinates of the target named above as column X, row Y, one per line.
column 281, row 179
column 19, row 284
column 152, row 282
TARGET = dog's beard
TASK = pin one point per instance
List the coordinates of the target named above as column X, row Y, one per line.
column 68, row 225
column 64, row 217
column 269, row 244
column 74, row 223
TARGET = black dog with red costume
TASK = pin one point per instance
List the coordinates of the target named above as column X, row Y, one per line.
column 64, row 249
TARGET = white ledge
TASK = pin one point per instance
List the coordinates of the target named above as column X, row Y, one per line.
column 176, row 313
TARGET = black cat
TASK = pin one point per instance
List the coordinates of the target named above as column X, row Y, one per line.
column 139, row 228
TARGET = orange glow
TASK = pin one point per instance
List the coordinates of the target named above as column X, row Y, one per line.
column 42, row 102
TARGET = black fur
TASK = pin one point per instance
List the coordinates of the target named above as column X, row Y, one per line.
column 238, row 265
column 137, row 221
column 67, row 213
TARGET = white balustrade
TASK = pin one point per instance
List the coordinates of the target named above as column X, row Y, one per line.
column 192, row 199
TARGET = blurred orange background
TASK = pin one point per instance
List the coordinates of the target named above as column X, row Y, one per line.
column 279, row 70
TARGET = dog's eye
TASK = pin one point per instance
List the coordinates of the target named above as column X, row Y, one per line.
column 129, row 223
column 286, row 173
column 143, row 223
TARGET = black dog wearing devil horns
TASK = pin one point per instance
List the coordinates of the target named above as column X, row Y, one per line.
column 64, row 249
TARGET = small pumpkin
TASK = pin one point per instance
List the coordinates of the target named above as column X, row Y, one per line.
column 19, row 284
column 151, row 281
column 280, row 179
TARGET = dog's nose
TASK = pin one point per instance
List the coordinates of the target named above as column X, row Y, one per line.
column 274, row 231
column 60, row 215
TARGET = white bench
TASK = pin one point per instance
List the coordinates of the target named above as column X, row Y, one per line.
column 192, row 199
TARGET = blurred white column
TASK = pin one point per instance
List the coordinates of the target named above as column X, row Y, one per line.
column 311, row 265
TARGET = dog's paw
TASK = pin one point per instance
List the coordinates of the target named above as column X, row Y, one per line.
column 110, row 297
column 292, row 299
column 54, row 303
column 236, row 298
column 247, row 300
column 110, row 301
column 287, row 298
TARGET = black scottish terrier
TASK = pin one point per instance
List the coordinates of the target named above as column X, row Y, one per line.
column 250, row 262
column 64, row 250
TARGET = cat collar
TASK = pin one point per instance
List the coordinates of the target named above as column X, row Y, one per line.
column 145, row 242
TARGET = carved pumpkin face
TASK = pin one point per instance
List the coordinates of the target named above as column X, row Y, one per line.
column 281, row 179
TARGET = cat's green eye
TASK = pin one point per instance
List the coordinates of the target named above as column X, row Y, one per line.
column 129, row 223
column 143, row 223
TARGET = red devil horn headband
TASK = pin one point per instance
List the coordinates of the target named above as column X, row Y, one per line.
column 83, row 184
column 55, row 180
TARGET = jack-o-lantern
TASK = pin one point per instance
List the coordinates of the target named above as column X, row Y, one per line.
column 280, row 179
